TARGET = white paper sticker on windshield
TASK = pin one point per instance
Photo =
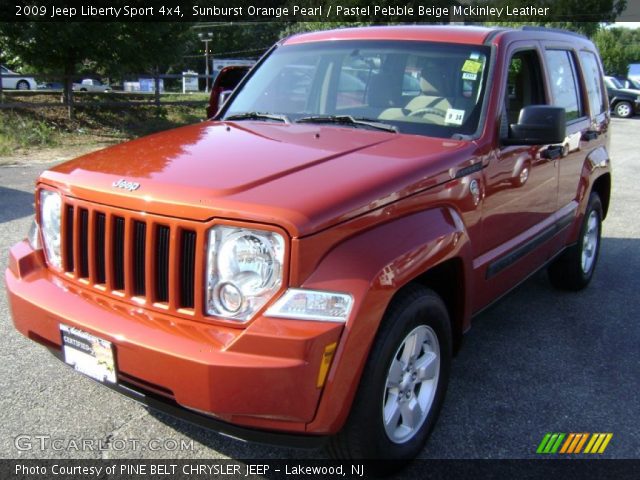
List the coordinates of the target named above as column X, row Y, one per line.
column 469, row 76
column 454, row 117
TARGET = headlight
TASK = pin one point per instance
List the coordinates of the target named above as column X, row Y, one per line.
column 50, row 209
column 244, row 271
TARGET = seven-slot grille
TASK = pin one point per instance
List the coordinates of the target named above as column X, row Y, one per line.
column 131, row 255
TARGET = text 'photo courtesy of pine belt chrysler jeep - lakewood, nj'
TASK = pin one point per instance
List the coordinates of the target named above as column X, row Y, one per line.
column 301, row 267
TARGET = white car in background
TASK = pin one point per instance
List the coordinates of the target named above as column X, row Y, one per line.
column 17, row 83
column 91, row 85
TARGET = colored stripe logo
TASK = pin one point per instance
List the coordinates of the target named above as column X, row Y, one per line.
column 574, row 443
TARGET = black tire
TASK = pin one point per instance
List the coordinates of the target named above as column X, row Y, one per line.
column 83, row 89
column 23, row 85
column 569, row 271
column 364, row 435
column 623, row 109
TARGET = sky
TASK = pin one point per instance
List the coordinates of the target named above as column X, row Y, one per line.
column 628, row 24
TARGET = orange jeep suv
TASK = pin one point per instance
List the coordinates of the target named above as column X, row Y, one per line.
column 301, row 267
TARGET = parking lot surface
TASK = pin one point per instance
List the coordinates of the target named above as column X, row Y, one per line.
column 538, row 361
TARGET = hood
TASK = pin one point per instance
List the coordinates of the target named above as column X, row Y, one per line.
column 302, row 177
column 626, row 91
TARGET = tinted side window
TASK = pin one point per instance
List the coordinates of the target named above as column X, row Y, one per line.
column 564, row 86
column 592, row 80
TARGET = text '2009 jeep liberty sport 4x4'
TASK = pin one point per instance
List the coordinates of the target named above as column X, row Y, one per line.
column 304, row 264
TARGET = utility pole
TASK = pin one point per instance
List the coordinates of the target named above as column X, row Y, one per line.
column 206, row 38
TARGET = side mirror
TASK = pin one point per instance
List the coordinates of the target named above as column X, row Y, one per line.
column 538, row 125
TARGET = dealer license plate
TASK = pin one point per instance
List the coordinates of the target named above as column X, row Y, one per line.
column 88, row 354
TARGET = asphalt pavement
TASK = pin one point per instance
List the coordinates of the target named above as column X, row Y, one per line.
column 538, row 361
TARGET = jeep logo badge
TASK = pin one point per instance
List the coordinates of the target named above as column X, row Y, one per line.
column 122, row 183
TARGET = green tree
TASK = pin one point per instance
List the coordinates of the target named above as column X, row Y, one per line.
column 618, row 48
column 105, row 48
column 582, row 16
column 233, row 40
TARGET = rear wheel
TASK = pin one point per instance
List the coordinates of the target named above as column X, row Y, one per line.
column 403, row 384
column 574, row 269
column 623, row 109
column 22, row 85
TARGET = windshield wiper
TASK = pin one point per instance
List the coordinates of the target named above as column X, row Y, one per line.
column 348, row 120
column 258, row 116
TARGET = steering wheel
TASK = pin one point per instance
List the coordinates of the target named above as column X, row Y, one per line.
column 429, row 110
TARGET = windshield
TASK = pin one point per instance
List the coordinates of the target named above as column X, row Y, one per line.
column 614, row 82
column 422, row 88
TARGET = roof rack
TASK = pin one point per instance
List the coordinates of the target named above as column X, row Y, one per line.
column 550, row 29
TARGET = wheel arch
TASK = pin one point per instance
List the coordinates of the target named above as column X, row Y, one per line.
column 602, row 186
column 433, row 251
column 447, row 279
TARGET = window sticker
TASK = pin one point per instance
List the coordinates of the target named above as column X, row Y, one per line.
column 469, row 76
column 474, row 56
column 454, row 117
column 471, row 66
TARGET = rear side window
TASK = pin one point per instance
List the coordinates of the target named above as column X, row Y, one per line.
column 592, row 80
column 564, row 85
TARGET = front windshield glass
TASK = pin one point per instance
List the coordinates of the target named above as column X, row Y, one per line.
column 615, row 83
column 432, row 89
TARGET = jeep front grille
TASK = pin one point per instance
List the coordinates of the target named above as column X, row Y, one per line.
column 147, row 258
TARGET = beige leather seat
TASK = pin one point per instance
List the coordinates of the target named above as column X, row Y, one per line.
column 430, row 106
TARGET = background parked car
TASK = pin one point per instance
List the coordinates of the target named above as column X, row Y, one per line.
column 18, row 83
column 50, row 86
column 91, row 85
column 631, row 83
column 624, row 102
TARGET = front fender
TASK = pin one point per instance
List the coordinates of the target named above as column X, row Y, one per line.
column 373, row 266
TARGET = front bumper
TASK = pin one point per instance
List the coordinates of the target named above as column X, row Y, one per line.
column 263, row 376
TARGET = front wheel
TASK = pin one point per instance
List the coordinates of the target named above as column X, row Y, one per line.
column 623, row 109
column 574, row 269
column 403, row 383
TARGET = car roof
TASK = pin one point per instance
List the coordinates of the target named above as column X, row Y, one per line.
column 464, row 34
column 434, row 33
